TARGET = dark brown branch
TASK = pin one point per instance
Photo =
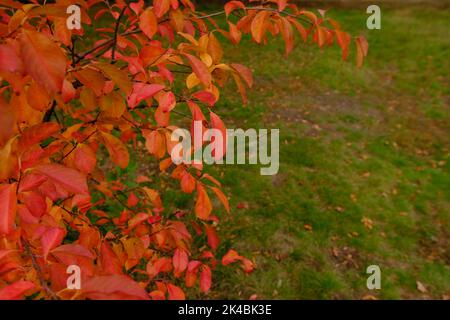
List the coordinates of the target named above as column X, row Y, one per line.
column 38, row 269
column 116, row 30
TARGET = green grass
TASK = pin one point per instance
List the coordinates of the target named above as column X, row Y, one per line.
column 355, row 143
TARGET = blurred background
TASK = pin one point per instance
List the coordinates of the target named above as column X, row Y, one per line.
column 364, row 162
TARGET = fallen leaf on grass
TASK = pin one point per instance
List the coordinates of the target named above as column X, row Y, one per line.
column 421, row 287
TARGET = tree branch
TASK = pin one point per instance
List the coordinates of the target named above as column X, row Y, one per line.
column 116, row 30
column 38, row 269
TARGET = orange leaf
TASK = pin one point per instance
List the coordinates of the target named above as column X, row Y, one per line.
column 112, row 105
column 343, row 39
column 300, row 28
column 8, row 206
column 235, row 33
column 180, row 261
column 117, row 150
column 91, row 78
column 43, row 59
column 16, row 290
column 287, row 33
column 203, row 205
column 222, row 198
column 362, row 48
column 37, row 97
column 148, row 23
column 155, row 143
column 36, row 134
column 175, row 293
column 259, row 25
column 118, row 76
column 244, row 72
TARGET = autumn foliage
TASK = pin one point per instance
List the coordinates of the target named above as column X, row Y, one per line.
column 73, row 109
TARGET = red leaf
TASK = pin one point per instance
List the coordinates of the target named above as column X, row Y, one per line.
column 217, row 123
column 175, row 293
column 191, row 273
column 147, row 91
column 8, row 206
column 36, row 134
column 113, row 287
column 244, row 72
column 51, row 238
column 109, row 260
column 132, row 200
column 161, row 7
column 167, row 101
column 233, row 5
column 187, row 183
column 16, row 290
column 200, row 70
column 205, row 97
column 70, row 179
column 247, row 265
column 68, row 91
column 230, row 257
column 205, row 279
column 282, row 5
column 85, row 159
column 213, row 239
column 9, row 59
column 180, row 261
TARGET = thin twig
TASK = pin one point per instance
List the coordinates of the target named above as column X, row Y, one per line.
column 38, row 269
column 116, row 30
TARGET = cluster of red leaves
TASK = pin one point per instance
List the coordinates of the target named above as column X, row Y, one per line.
column 61, row 109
